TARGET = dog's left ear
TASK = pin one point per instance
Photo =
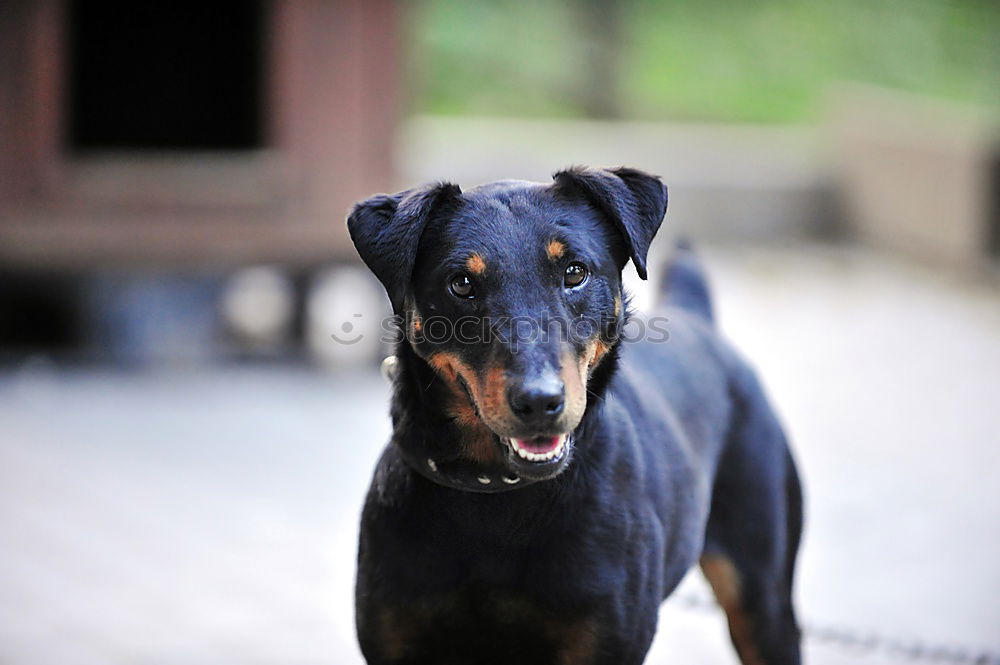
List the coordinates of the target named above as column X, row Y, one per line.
column 386, row 231
column 632, row 200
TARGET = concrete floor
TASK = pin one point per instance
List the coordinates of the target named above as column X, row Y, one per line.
column 210, row 517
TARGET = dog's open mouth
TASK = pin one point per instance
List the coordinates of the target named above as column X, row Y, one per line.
column 539, row 448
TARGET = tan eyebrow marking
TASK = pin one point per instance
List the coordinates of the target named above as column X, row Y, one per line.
column 475, row 264
column 555, row 250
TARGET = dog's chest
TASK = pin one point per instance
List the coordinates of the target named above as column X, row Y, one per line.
column 485, row 627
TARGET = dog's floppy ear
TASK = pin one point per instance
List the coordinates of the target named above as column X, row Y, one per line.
column 632, row 200
column 386, row 230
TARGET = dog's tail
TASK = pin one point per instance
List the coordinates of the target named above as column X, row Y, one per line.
column 685, row 284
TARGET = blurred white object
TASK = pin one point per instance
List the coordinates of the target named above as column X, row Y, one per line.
column 390, row 367
column 642, row 292
column 257, row 304
column 344, row 313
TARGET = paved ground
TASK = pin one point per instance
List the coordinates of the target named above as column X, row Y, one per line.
column 210, row 517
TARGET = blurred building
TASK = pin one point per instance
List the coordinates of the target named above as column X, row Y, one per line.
column 182, row 136
column 920, row 176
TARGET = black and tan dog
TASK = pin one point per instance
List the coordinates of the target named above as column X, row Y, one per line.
column 548, row 485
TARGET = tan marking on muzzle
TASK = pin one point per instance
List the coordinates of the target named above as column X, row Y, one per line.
column 445, row 364
column 574, row 375
column 477, row 440
column 493, row 398
column 492, row 411
column 599, row 349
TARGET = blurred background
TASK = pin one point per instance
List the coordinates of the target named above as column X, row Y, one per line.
column 185, row 438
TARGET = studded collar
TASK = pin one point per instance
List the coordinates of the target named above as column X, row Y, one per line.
column 464, row 475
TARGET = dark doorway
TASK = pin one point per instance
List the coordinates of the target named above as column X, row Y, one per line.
column 184, row 74
column 39, row 312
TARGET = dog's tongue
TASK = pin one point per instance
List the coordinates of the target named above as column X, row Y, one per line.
column 539, row 444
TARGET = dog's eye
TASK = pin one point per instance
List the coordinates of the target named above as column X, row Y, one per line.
column 461, row 287
column 576, row 274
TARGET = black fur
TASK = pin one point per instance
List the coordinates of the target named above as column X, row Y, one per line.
column 386, row 231
column 677, row 454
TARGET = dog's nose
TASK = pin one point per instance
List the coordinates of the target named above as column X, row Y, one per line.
column 537, row 402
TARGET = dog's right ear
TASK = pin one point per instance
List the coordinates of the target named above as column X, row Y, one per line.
column 633, row 201
column 386, row 230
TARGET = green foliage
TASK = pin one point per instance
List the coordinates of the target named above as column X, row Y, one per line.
column 733, row 60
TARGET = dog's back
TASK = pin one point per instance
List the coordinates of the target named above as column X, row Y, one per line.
column 685, row 284
column 753, row 530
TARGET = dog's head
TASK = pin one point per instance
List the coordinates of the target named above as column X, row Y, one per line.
column 512, row 293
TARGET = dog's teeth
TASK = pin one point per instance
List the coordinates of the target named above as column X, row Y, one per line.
column 539, row 457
